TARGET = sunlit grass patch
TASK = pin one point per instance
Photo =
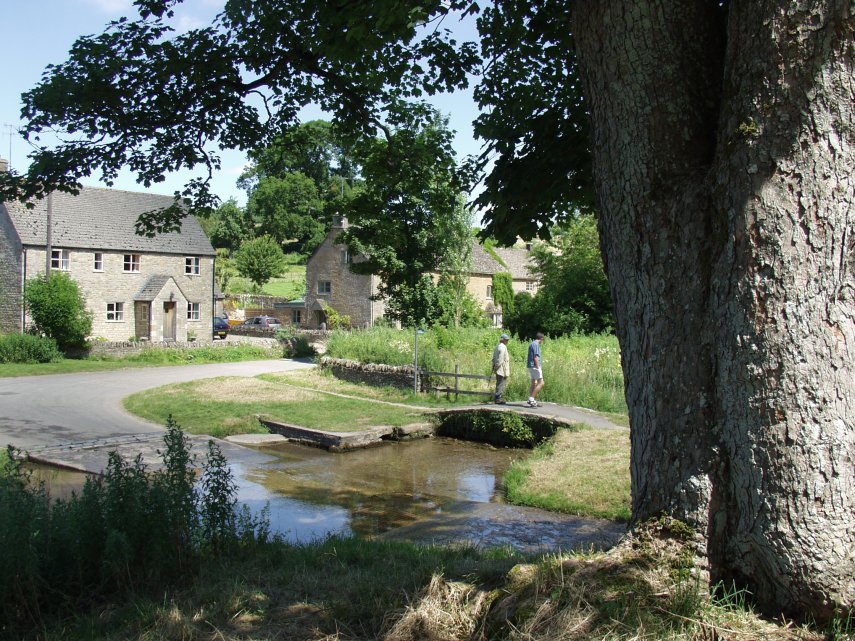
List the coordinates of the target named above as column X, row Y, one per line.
column 584, row 472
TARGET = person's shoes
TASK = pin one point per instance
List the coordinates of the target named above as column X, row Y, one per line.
column 499, row 401
column 532, row 402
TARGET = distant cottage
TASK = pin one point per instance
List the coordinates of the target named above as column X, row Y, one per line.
column 156, row 289
column 331, row 285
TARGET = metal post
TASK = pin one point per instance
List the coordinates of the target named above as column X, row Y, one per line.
column 416, row 364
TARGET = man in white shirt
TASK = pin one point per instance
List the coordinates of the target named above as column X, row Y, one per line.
column 501, row 368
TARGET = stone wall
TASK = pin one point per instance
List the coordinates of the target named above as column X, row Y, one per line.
column 125, row 348
column 10, row 275
column 373, row 373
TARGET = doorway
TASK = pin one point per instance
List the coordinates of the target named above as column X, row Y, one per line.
column 169, row 318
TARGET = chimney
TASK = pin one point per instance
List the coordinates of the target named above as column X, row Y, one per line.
column 4, row 165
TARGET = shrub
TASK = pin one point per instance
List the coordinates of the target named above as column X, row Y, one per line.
column 26, row 348
column 58, row 310
column 129, row 531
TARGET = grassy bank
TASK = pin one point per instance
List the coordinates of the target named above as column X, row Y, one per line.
column 582, row 371
column 224, row 406
column 147, row 358
column 583, row 472
column 349, row 589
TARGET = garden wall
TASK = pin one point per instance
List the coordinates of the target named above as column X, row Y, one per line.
column 124, row 348
column 373, row 373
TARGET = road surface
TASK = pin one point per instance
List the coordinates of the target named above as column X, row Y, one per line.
column 50, row 410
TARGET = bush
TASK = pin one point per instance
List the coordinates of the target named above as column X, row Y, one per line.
column 26, row 348
column 132, row 530
column 58, row 310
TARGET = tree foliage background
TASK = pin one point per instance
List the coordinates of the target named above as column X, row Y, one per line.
column 573, row 295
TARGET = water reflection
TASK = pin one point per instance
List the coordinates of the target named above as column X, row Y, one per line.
column 317, row 493
column 313, row 493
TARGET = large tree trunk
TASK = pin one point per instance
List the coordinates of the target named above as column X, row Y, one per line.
column 723, row 157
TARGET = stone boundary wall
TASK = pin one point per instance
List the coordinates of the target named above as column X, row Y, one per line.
column 123, row 348
column 373, row 373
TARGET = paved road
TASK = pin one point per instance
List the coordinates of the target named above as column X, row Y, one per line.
column 49, row 410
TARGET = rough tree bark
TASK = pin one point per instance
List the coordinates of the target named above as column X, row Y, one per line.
column 724, row 155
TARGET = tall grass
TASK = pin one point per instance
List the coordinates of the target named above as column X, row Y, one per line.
column 130, row 531
column 579, row 370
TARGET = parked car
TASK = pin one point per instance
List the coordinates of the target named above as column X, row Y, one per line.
column 221, row 327
column 262, row 322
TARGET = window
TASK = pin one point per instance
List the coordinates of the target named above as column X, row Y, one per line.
column 192, row 265
column 99, row 262
column 345, row 257
column 529, row 286
column 115, row 312
column 324, row 287
column 60, row 259
column 489, row 292
column 496, row 319
column 296, row 316
column 193, row 311
column 131, row 263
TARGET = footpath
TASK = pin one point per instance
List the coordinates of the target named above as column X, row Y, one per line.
column 91, row 455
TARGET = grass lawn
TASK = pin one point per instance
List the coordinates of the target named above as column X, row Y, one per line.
column 324, row 381
column 583, row 471
column 146, row 358
column 291, row 284
column 225, row 406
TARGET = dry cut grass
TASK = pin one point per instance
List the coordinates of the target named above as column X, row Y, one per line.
column 581, row 471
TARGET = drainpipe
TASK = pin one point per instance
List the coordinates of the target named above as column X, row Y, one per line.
column 48, row 248
column 23, row 318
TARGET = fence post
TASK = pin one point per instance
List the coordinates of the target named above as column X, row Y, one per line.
column 456, row 379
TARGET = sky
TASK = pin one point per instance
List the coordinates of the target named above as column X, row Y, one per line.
column 36, row 33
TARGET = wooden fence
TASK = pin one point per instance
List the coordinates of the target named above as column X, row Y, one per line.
column 457, row 376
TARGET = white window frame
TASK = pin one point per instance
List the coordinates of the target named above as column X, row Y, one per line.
column 131, row 263
column 496, row 319
column 327, row 287
column 529, row 286
column 98, row 262
column 115, row 312
column 489, row 292
column 296, row 316
column 192, row 265
column 60, row 259
column 346, row 258
column 194, row 311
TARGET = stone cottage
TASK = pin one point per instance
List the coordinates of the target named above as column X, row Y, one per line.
column 155, row 289
column 331, row 284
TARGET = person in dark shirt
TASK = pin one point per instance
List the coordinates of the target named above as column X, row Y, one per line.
column 535, row 369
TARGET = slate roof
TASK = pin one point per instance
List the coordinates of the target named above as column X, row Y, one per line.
column 99, row 218
column 153, row 286
column 517, row 261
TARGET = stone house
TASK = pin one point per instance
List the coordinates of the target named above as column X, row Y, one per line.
column 156, row 289
column 331, row 284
